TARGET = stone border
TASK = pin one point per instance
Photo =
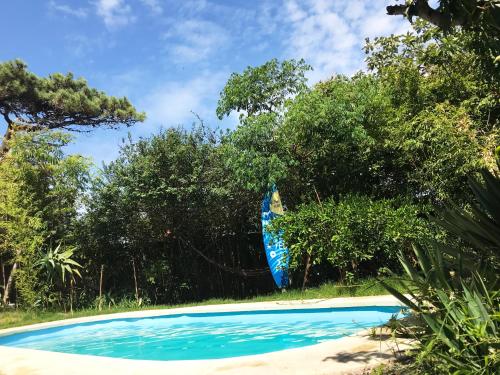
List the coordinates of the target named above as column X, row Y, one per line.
column 343, row 355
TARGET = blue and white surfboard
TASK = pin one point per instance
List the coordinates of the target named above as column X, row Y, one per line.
column 276, row 252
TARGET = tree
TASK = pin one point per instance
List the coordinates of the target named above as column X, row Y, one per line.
column 427, row 66
column 40, row 189
column 332, row 132
column 21, row 231
column 253, row 154
column 450, row 13
column 263, row 88
column 444, row 124
column 476, row 21
column 170, row 207
column 31, row 103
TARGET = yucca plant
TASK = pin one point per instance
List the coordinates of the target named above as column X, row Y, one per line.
column 454, row 291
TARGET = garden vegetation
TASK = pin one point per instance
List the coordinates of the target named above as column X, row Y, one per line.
column 389, row 172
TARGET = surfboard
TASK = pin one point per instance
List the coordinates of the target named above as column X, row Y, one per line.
column 276, row 252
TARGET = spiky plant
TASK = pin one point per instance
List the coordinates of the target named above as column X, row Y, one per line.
column 455, row 291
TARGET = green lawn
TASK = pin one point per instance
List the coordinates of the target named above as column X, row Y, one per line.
column 13, row 318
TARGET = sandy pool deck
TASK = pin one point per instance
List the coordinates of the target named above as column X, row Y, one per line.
column 348, row 355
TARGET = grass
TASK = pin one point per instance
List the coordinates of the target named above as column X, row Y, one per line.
column 17, row 317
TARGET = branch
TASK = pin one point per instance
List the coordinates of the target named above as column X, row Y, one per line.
column 422, row 9
column 397, row 10
column 25, row 128
column 12, row 127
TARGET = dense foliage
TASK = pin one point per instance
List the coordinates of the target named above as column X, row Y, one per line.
column 41, row 189
column 357, row 236
column 359, row 161
column 157, row 211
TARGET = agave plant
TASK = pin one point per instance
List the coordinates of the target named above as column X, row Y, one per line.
column 455, row 292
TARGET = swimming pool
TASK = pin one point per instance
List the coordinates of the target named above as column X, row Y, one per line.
column 203, row 335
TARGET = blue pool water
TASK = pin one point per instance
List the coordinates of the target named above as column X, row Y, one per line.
column 203, row 336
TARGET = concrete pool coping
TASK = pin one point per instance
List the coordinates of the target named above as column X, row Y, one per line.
column 346, row 355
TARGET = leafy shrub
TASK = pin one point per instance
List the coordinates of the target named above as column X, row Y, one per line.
column 349, row 233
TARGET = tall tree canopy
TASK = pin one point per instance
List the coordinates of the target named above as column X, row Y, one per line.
column 263, row 88
column 32, row 103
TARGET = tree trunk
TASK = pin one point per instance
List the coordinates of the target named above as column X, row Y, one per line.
column 343, row 274
column 71, row 286
column 317, row 196
column 308, row 256
column 354, row 266
column 8, row 286
column 4, row 147
column 100, row 287
column 3, row 277
column 61, row 298
column 12, row 127
column 135, row 282
column 306, row 273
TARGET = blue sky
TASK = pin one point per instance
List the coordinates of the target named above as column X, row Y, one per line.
column 172, row 58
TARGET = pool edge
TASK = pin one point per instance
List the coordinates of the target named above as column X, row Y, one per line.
column 381, row 300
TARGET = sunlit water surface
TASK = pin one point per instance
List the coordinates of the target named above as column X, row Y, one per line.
column 203, row 336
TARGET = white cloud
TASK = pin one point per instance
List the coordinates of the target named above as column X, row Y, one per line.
column 79, row 45
column 174, row 102
column 68, row 10
column 115, row 13
column 330, row 34
column 295, row 13
column 323, row 38
column 129, row 83
column 355, row 9
column 154, row 5
column 374, row 25
column 195, row 40
column 195, row 6
column 84, row 47
column 265, row 18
